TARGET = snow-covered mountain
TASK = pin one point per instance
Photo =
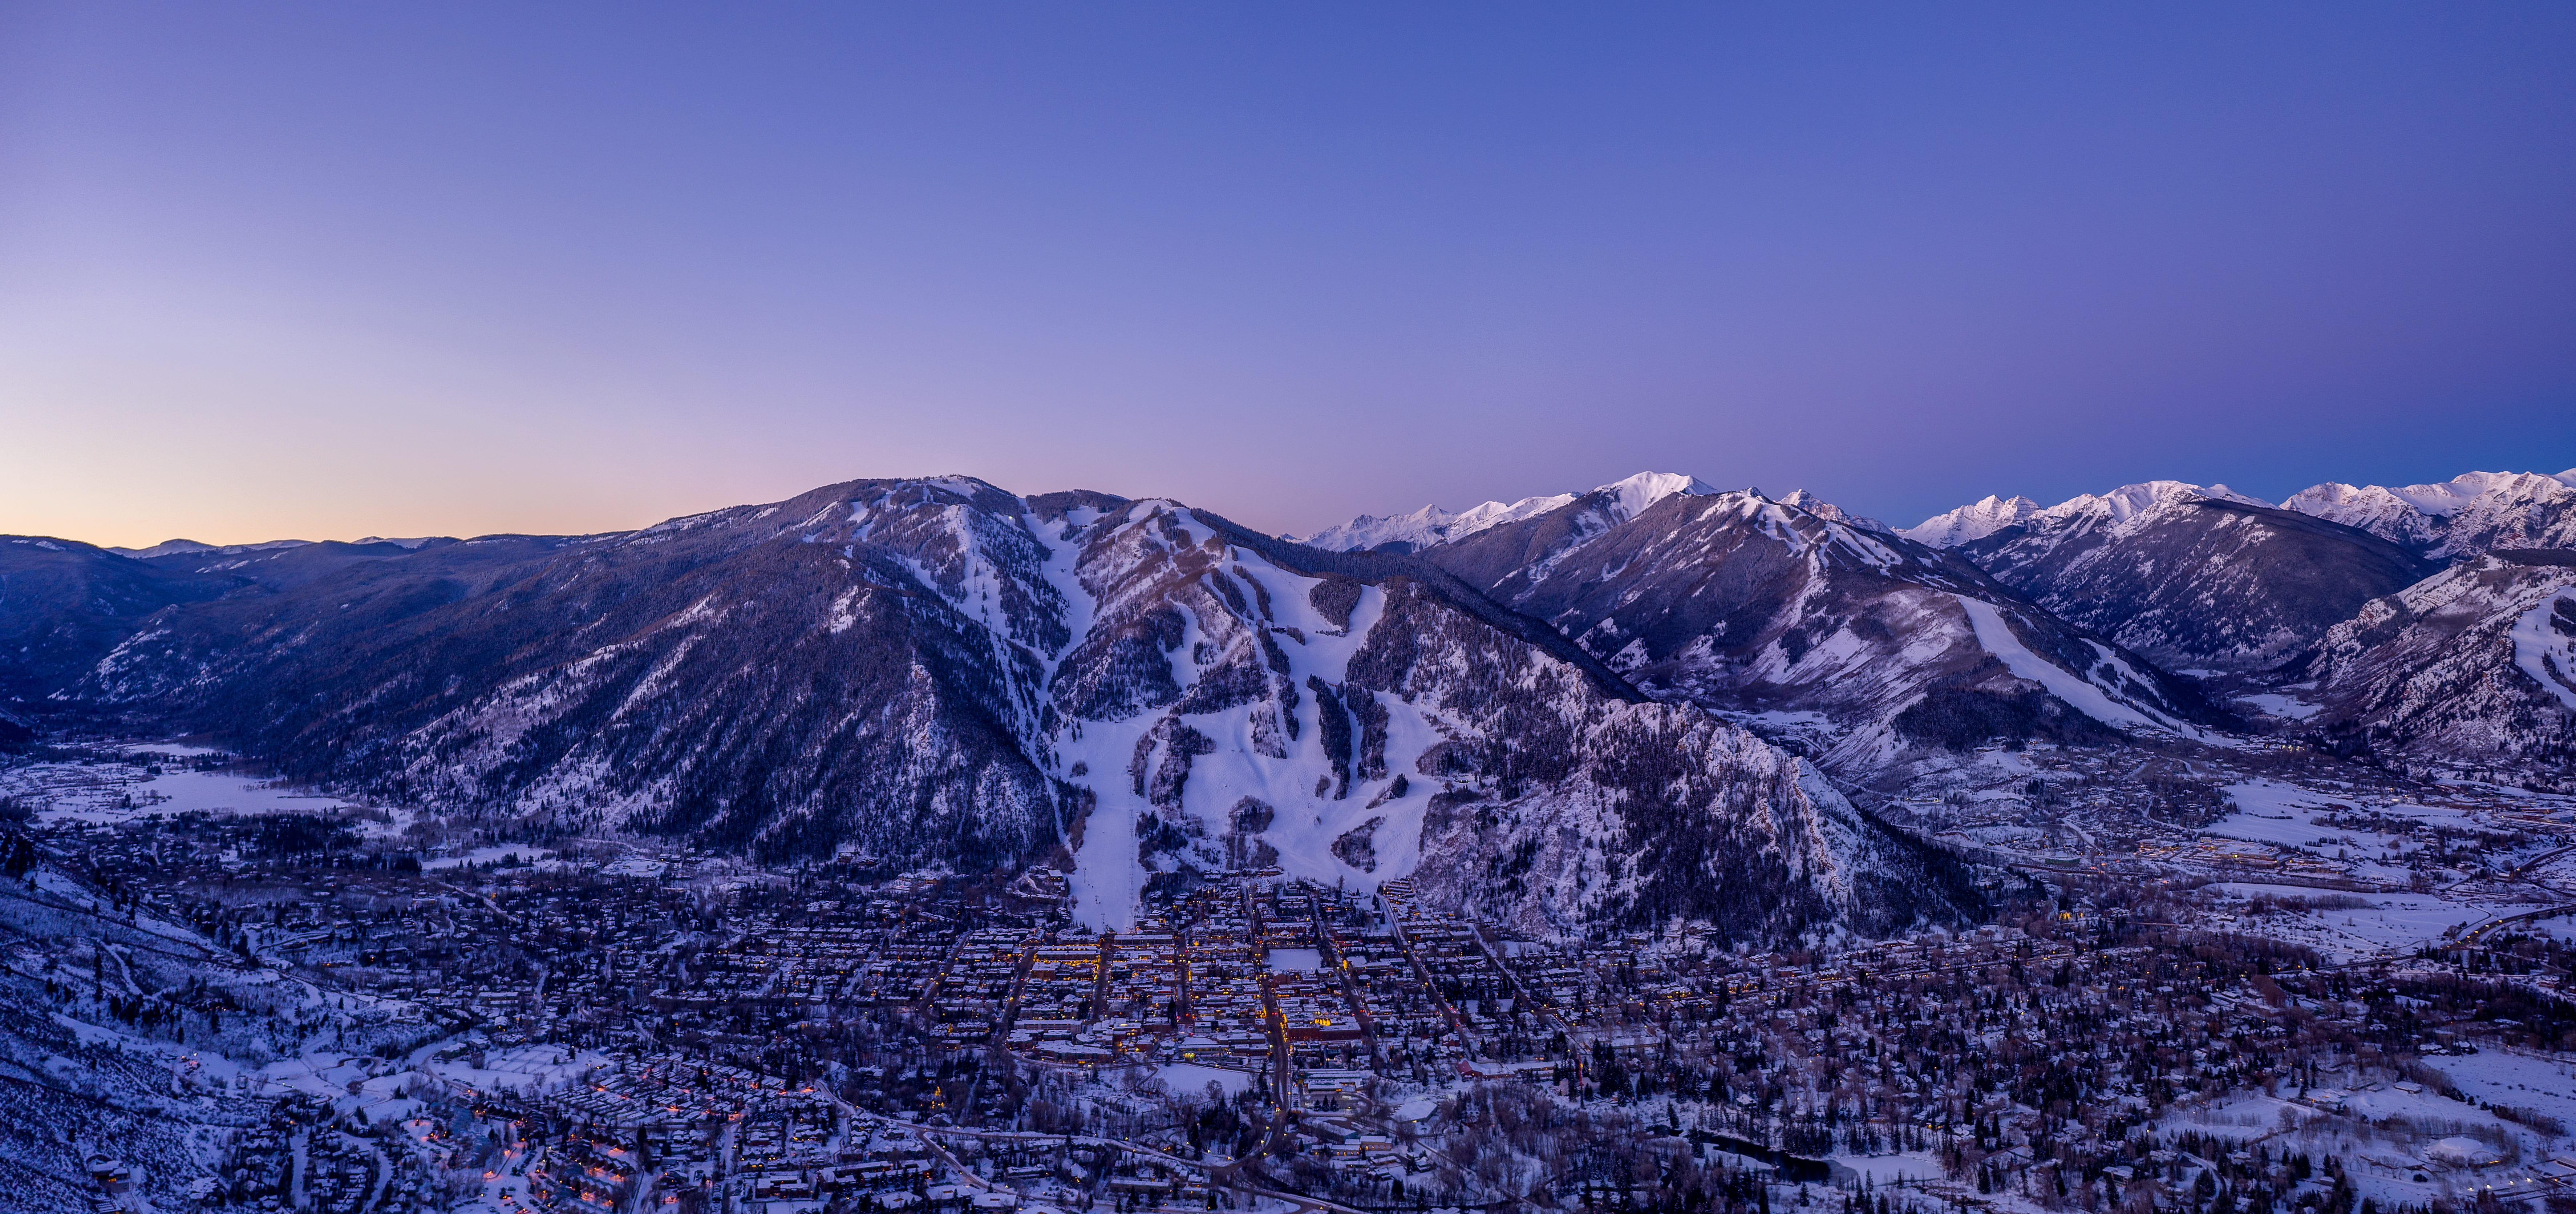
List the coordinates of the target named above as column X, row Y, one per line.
column 2458, row 518
column 2472, row 668
column 2127, row 503
column 2194, row 577
column 945, row 672
column 1872, row 646
column 1974, row 521
column 1432, row 525
column 1800, row 499
column 193, row 548
column 1525, row 706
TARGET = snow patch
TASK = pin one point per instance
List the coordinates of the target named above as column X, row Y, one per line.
column 2544, row 650
column 2277, row 705
column 1996, row 635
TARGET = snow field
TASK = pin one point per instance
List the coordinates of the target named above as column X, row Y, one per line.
column 1996, row 635
column 92, row 794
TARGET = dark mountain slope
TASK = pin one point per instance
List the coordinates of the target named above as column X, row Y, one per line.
column 64, row 604
column 718, row 676
column 287, row 566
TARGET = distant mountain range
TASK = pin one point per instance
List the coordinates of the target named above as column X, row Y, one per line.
column 2183, row 607
column 1648, row 703
column 1432, row 525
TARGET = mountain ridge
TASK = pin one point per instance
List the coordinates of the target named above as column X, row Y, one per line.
column 1433, row 525
column 1138, row 691
column 2457, row 519
column 2194, row 577
column 1744, row 605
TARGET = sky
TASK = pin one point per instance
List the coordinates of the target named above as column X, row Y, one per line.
column 330, row 270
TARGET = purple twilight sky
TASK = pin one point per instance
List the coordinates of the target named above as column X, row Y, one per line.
column 328, row 270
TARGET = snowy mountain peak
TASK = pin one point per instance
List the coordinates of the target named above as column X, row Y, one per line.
column 1434, row 525
column 1974, row 521
column 1421, row 528
column 2461, row 517
column 1634, row 494
column 2444, row 499
column 1494, row 514
column 2130, row 501
column 1977, row 520
column 1812, row 504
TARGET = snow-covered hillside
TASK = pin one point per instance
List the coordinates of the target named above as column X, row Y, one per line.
column 129, row 1034
column 2473, row 668
column 1800, row 499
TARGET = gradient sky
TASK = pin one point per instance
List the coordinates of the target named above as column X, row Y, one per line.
column 329, row 270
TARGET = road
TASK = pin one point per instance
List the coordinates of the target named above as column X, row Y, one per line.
column 1279, row 1056
column 2547, row 857
column 295, row 1182
column 382, row 1167
column 2471, row 937
column 1520, row 994
column 1004, row 1016
column 1395, row 923
column 1340, row 970
column 1223, row 1172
